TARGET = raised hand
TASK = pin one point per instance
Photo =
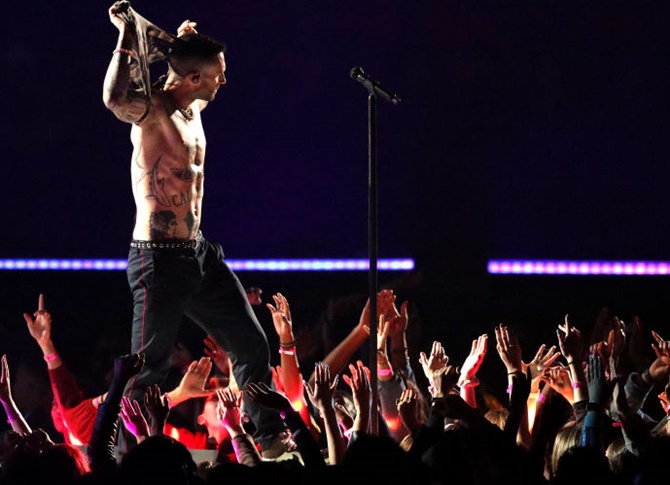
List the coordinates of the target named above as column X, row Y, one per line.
column 278, row 378
column 114, row 11
column 186, row 27
column 508, row 349
column 127, row 366
column 158, row 408
column 570, row 342
column 408, row 409
column 5, row 384
column 219, row 356
column 133, row 419
column 359, row 382
column 382, row 335
column 616, row 339
column 399, row 320
column 474, row 361
column 281, row 317
column 558, row 378
column 267, row 397
column 444, row 380
column 595, row 377
column 384, row 298
column 194, row 382
column 229, row 411
column 324, row 387
column 40, row 326
column 661, row 347
column 542, row 361
column 437, row 360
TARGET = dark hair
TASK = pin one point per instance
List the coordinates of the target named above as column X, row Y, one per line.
column 190, row 52
column 162, row 458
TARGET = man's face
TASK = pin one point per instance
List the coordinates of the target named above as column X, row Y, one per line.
column 212, row 77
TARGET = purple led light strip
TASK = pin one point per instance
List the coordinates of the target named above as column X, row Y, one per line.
column 235, row 264
column 579, row 268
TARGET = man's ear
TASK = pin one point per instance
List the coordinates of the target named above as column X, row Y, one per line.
column 195, row 77
column 201, row 420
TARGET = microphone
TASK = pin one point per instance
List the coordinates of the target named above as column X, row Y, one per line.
column 373, row 86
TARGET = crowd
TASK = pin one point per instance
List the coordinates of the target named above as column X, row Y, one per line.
column 588, row 407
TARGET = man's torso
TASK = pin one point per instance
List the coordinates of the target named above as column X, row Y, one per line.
column 167, row 172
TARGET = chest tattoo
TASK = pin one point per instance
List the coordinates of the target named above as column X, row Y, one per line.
column 156, row 185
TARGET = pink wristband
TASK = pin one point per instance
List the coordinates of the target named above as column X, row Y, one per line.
column 287, row 351
column 509, row 389
column 576, row 384
column 10, row 420
column 541, row 398
column 51, row 357
column 385, row 372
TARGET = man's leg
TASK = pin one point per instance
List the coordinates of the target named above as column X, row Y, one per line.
column 161, row 284
column 222, row 309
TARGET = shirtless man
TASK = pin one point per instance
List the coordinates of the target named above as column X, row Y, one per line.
column 172, row 269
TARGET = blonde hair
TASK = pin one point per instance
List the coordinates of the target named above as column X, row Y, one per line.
column 568, row 437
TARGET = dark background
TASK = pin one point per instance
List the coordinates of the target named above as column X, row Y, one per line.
column 527, row 130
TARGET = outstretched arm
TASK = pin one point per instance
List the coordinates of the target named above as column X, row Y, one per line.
column 338, row 357
column 468, row 380
column 193, row 384
column 290, row 368
column 322, row 397
column 128, row 106
column 14, row 416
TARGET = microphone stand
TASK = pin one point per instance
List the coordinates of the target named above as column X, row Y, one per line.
column 372, row 250
column 374, row 89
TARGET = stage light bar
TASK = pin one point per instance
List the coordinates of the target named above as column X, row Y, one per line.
column 578, row 268
column 235, row 264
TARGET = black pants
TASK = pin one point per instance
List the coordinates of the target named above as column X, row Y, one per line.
column 167, row 284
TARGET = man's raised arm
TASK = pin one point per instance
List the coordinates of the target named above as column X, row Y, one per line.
column 128, row 106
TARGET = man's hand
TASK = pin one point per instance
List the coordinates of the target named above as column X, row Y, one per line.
column 114, row 11
column 186, row 27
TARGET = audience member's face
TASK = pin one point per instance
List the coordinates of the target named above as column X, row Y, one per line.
column 209, row 417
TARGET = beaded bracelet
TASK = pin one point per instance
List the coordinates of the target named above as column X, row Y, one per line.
column 290, row 345
column 127, row 52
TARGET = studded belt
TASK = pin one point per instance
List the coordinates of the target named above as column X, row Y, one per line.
column 167, row 245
